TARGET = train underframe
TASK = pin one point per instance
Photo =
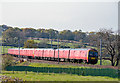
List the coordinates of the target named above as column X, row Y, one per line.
column 90, row 61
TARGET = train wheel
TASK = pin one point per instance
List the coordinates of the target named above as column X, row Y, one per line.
column 84, row 61
column 68, row 60
column 74, row 60
column 80, row 61
column 93, row 62
column 87, row 62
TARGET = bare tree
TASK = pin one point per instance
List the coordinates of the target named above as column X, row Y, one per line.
column 110, row 43
column 118, row 44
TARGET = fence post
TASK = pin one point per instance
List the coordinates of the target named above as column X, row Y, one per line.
column 74, row 70
column 78, row 71
column 48, row 70
column 37, row 72
column 59, row 70
column 82, row 72
column 13, row 71
column 43, row 69
column 25, row 71
column 53, row 70
column 118, row 74
column 70, row 71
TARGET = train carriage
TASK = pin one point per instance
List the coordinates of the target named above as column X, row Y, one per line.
column 36, row 53
column 46, row 53
column 79, row 54
column 92, row 56
column 40, row 52
column 63, row 53
column 51, row 53
column 86, row 54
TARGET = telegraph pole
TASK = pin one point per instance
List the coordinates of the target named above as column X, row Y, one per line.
column 19, row 47
column 51, row 40
column 1, row 50
column 58, row 47
column 100, row 51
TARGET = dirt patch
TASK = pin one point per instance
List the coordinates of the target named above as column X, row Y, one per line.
column 7, row 79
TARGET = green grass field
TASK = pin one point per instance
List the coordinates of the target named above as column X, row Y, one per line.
column 5, row 48
column 32, row 76
column 51, row 65
column 32, row 64
column 104, row 62
column 71, row 45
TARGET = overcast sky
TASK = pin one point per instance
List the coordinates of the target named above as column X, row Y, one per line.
column 87, row 16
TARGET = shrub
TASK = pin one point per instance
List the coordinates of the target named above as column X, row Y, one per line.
column 7, row 60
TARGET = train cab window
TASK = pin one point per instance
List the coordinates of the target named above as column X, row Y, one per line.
column 91, row 53
column 95, row 54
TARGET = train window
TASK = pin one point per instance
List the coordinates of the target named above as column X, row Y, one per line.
column 95, row 54
column 91, row 53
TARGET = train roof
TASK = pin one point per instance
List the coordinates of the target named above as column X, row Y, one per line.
column 33, row 48
column 81, row 49
column 75, row 49
column 51, row 49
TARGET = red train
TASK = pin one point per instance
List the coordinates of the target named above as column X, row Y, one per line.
column 84, row 54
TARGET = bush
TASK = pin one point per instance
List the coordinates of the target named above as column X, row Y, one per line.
column 7, row 60
column 30, row 44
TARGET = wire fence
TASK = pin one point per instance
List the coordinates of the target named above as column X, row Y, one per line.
column 78, row 71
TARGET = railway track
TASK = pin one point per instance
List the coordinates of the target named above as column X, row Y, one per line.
column 73, row 64
column 67, row 63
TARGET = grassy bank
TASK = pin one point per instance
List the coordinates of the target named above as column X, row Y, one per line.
column 32, row 76
column 5, row 49
column 54, row 65
column 104, row 62
column 35, row 76
column 71, row 45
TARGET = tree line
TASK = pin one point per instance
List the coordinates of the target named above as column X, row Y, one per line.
column 110, row 39
column 12, row 35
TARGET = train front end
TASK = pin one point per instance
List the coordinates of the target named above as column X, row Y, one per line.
column 93, row 56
